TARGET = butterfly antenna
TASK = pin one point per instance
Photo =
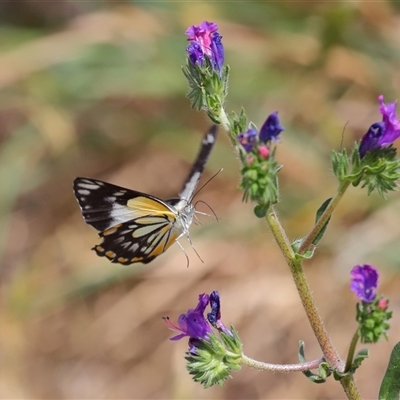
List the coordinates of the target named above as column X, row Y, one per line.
column 202, row 187
column 202, row 213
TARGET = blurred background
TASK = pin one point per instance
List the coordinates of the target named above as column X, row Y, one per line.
column 95, row 89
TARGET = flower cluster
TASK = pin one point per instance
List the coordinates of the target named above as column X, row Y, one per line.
column 211, row 357
column 372, row 314
column 373, row 163
column 205, row 42
column 205, row 71
column 259, row 171
column 257, row 142
column 381, row 134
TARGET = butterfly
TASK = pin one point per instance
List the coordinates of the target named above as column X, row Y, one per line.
column 138, row 227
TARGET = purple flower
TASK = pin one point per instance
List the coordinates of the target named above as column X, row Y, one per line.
column 271, row 128
column 383, row 133
column 205, row 41
column 193, row 323
column 214, row 317
column 364, row 282
column 247, row 139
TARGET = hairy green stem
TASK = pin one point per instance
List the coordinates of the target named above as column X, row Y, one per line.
column 225, row 121
column 295, row 265
column 352, row 349
column 350, row 388
column 280, row 367
column 324, row 217
column 280, row 235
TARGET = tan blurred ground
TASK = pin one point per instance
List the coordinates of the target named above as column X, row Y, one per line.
column 90, row 89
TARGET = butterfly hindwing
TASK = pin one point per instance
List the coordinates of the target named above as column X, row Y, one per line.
column 139, row 240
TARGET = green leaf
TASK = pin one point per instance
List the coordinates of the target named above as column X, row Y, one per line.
column 324, row 370
column 318, row 216
column 390, row 387
column 358, row 359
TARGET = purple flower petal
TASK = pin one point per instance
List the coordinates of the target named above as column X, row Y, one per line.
column 205, row 41
column 247, row 139
column 214, row 317
column 271, row 128
column 364, row 282
column 192, row 323
column 383, row 133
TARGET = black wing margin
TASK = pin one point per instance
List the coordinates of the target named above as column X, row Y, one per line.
column 194, row 176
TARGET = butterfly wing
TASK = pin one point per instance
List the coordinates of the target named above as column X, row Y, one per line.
column 194, row 176
column 134, row 226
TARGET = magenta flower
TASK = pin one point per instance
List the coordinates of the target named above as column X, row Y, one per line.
column 271, row 128
column 384, row 133
column 364, row 282
column 205, row 42
column 193, row 323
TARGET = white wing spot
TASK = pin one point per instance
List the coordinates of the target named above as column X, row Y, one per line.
column 125, row 232
column 110, row 199
column 90, row 186
column 84, row 191
column 134, row 247
column 209, row 139
column 87, row 207
column 82, row 198
column 119, row 240
column 120, row 193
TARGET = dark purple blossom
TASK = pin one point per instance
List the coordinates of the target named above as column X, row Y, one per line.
column 205, row 41
column 271, row 128
column 214, row 317
column 248, row 139
column 193, row 323
column 384, row 133
column 364, row 282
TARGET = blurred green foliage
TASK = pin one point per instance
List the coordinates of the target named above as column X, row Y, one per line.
column 96, row 89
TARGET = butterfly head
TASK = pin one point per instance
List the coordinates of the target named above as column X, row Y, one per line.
column 184, row 211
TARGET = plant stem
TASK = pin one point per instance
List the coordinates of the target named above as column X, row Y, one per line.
column 280, row 235
column 315, row 320
column 324, row 217
column 350, row 388
column 225, row 121
column 280, row 367
column 352, row 349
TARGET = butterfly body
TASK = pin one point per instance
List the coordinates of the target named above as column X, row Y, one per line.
column 134, row 226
